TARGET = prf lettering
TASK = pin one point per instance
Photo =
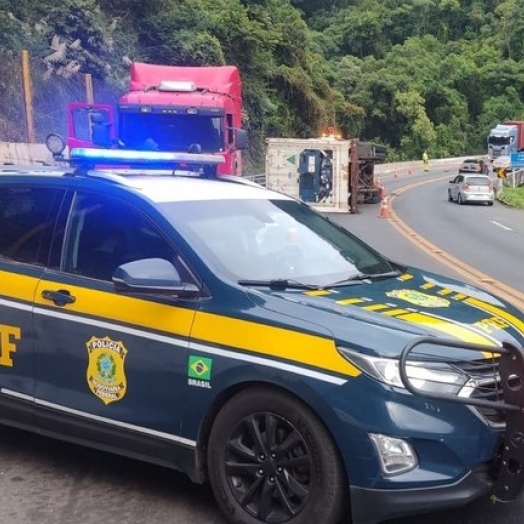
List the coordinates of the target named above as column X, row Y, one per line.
column 491, row 324
column 7, row 346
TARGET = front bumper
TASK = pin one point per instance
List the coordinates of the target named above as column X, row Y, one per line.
column 369, row 506
column 508, row 399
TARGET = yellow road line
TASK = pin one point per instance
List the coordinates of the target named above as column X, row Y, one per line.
column 466, row 271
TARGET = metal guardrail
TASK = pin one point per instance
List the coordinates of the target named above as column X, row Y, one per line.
column 258, row 179
column 515, row 178
column 380, row 168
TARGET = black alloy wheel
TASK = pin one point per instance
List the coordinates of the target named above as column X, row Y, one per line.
column 272, row 461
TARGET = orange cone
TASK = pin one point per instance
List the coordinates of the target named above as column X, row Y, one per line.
column 382, row 192
column 384, row 209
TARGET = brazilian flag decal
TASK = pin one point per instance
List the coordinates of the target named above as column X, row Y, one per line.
column 199, row 367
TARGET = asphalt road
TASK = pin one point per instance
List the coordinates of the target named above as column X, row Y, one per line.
column 48, row 482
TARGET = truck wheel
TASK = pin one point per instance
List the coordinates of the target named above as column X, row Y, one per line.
column 271, row 460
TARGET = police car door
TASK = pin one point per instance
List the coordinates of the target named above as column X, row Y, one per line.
column 111, row 361
column 27, row 220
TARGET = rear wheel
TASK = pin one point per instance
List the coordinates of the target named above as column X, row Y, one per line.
column 460, row 199
column 272, row 461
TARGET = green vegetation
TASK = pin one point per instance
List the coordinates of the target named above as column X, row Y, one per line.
column 513, row 197
column 412, row 74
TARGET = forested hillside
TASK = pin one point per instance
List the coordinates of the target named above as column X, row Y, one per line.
column 413, row 74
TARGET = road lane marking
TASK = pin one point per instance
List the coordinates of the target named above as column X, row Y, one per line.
column 498, row 224
column 470, row 273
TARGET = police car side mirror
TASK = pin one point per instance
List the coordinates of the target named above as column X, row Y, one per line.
column 152, row 276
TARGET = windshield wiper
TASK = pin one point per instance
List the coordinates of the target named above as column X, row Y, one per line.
column 278, row 283
column 284, row 283
column 362, row 277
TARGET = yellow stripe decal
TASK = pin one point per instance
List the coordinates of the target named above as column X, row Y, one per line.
column 508, row 317
column 120, row 308
column 318, row 292
column 445, row 291
column 445, row 326
column 405, row 276
column 272, row 341
column 18, row 287
column 428, row 285
column 269, row 341
column 376, row 307
column 348, row 301
column 395, row 312
column 459, row 296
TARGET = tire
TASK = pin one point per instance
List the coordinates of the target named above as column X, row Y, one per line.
column 450, row 198
column 460, row 199
column 256, row 478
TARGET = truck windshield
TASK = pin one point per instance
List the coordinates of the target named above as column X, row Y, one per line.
column 161, row 132
column 499, row 140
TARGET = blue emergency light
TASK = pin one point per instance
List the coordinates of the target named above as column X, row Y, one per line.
column 80, row 156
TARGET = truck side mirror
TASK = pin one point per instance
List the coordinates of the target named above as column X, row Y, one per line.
column 241, row 138
column 100, row 130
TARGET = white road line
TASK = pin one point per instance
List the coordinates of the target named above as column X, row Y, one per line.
column 501, row 226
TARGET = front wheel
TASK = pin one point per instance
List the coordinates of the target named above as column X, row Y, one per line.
column 272, row 461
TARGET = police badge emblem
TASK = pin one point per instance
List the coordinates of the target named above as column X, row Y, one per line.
column 418, row 298
column 105, row 369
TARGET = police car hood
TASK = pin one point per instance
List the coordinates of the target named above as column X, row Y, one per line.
column 381, row 317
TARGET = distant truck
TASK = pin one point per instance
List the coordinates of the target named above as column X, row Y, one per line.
column 318, row 170
column 505, row 139
column 169, row 108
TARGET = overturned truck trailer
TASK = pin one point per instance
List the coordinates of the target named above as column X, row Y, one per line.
column 324, row 172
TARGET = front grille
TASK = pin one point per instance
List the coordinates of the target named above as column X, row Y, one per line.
column 484, row 384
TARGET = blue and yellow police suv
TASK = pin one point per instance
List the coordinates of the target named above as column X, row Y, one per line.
column 154, row 309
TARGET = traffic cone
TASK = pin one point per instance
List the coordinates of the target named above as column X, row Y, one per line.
column 384, row 209
column 382, row 192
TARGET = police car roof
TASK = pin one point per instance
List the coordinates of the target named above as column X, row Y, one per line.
column 159, row 185
column 185, row 188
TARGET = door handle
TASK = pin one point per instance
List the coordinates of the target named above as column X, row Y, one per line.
column 60, row 297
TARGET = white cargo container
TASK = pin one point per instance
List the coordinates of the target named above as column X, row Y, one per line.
column 318, row 170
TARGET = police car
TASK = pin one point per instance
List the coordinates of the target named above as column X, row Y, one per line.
column 154, row 309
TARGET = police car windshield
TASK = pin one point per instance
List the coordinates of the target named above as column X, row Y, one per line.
column 260, row 239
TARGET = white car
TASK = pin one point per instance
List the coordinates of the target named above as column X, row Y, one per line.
column 466, row 188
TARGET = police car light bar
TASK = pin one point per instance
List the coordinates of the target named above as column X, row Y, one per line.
column 115, row 157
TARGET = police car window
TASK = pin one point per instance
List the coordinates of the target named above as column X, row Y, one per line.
column 263, row 239
column 104, row 234
column 27, row 217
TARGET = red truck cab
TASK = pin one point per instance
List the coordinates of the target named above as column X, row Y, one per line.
column 169, row 108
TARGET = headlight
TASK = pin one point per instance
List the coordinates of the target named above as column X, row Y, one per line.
column 434, row 377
